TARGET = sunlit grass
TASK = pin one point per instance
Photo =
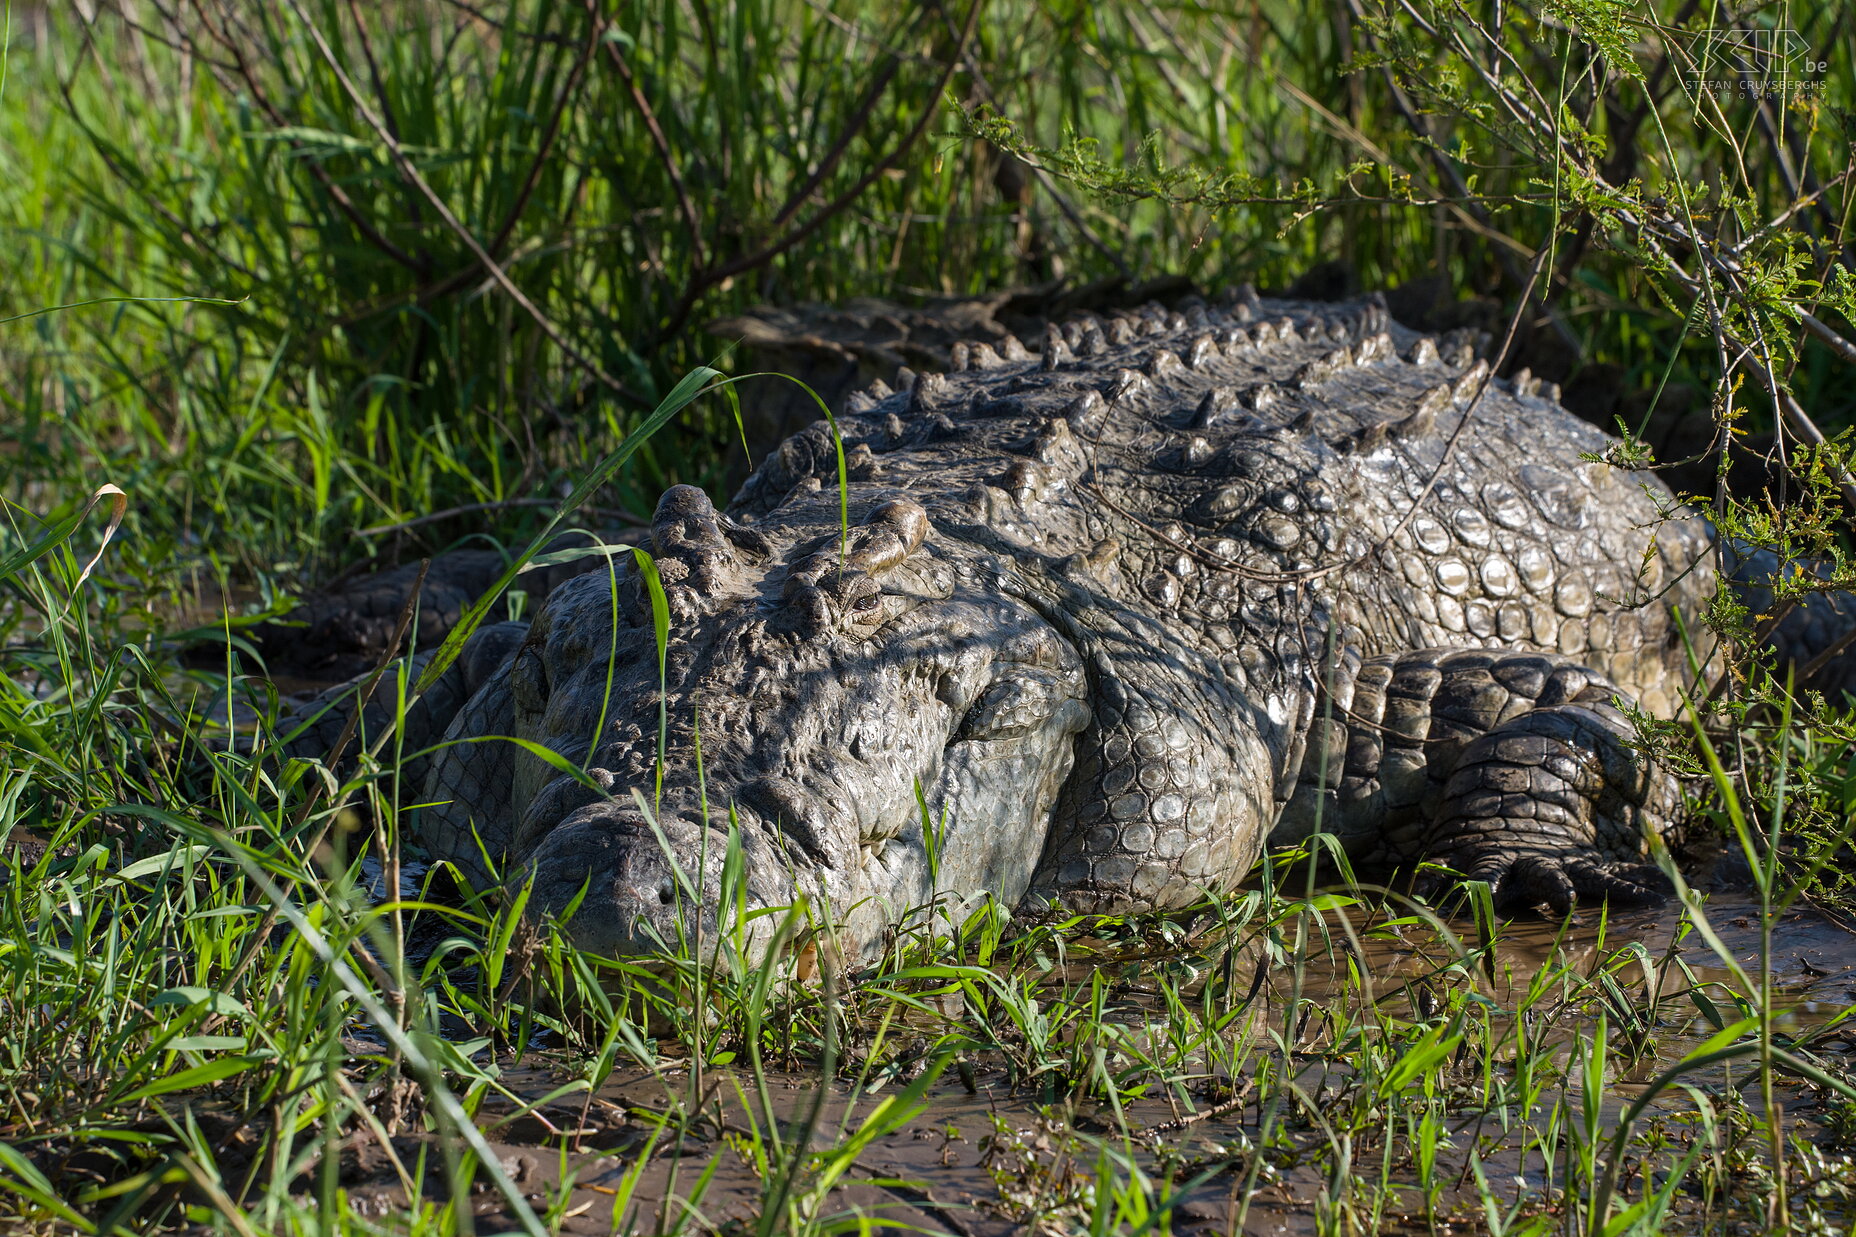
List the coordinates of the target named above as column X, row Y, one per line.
column 207, row 998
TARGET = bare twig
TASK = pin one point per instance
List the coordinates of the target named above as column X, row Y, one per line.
column 648, row 117
column 595, row 33
column 335, row 192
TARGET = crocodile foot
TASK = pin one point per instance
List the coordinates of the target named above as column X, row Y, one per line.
column 1554, row 806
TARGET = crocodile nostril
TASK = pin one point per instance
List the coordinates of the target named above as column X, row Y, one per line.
column 665, row 894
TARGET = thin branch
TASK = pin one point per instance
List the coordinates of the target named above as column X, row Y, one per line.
column 335, row 192
column 596, row 30
column 702, row 281
column 648, row 116
column 490, row 265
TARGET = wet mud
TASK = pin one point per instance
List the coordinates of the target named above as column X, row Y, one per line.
column 970, row 1154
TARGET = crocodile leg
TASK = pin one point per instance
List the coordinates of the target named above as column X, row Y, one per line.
column 1509, row 767
column 1170, row 776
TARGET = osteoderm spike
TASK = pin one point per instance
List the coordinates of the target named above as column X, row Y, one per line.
column 1162, row 362
column 928, row 389
column 1084, row 413
column 1375, row 347
column 1472, row 379
column 1213, row 407
column 1056, row 349
column 1127, row 382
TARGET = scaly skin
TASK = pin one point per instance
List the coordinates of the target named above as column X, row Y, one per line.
column 1122, row 615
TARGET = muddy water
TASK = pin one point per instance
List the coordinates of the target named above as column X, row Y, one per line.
column 977, row 1158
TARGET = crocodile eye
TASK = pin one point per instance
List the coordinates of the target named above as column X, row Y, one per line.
column 528, row 680
column 863, row 605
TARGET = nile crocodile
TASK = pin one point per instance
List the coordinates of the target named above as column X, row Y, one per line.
column 1094, row 627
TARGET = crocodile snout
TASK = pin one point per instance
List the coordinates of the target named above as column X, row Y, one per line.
column 631, row 888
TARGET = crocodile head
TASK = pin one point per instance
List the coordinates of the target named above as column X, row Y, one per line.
column 824, row 694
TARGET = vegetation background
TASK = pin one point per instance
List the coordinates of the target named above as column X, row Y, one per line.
column 286, row 273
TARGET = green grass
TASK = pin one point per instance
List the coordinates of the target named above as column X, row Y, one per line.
column 280, row 337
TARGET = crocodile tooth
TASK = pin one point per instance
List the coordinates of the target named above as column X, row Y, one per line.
column 1084, row 413
column 1012, row 349
column 961, row 356
column 1120, row 331
column 1056, row 349
column 1213, row 407
column 928, row 389
column 981, row 356
column 1203, row 351
column 1127, row 382
column 1424, row 352
column 1161, row 362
